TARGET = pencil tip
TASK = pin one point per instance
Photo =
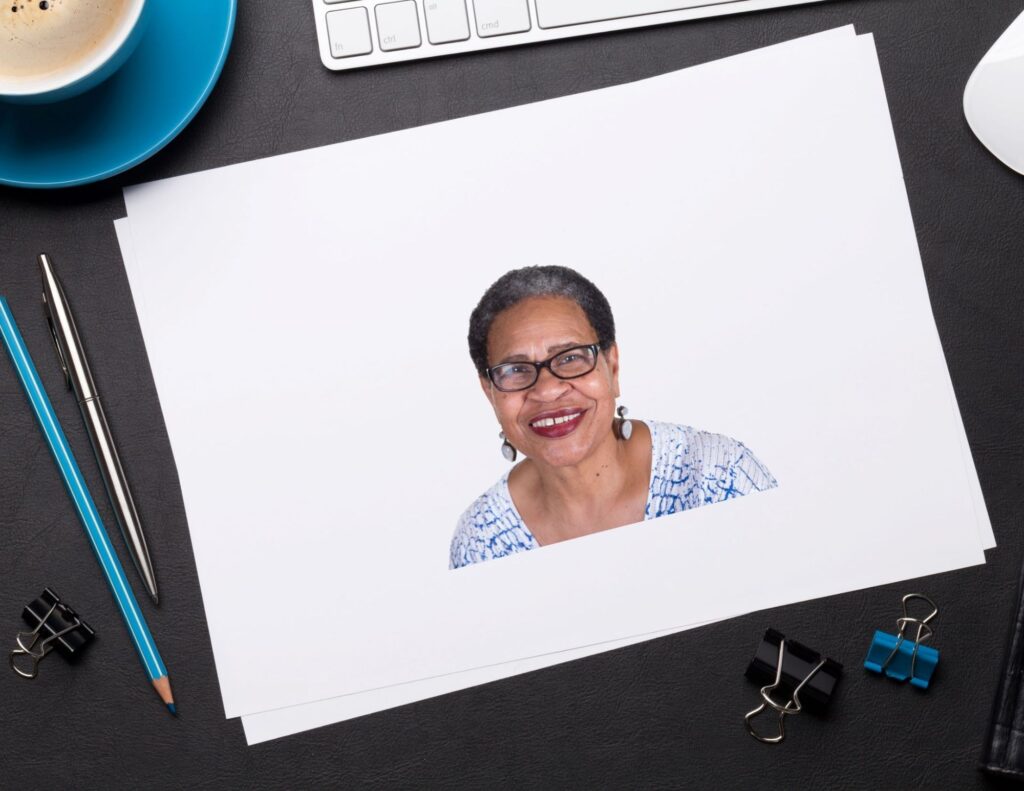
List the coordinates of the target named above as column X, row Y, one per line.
column 173, row 709
column 154, row 597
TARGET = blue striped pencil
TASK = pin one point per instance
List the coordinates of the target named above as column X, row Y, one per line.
column 84, row 505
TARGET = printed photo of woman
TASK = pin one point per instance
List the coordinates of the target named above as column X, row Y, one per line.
column 542, row 339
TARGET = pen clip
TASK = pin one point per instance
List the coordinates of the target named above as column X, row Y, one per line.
column 56, row 343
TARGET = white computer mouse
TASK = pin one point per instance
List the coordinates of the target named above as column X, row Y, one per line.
column 994, row 97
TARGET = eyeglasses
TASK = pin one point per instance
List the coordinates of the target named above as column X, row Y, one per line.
column 568, row 364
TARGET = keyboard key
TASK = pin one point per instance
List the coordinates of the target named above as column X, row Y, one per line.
column 348, row 31
column 446, row 20
column 559, row 13
column 501, row 17
column 398, row 25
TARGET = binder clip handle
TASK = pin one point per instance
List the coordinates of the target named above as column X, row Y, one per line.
column 35, row 657
column 922, row 623
column 37, row 653
column 26, row 646
column 910, row 597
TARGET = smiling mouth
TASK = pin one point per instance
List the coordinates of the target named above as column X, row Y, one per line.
column 557, row 424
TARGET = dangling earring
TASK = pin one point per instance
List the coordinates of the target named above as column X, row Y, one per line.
column 625, row 426
column 507, row 450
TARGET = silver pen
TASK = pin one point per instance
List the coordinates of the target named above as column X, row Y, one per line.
column 79, row 377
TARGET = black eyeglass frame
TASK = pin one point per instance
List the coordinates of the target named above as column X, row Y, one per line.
column 595, row 349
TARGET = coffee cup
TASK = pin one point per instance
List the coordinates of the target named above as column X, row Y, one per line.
column 55, row 49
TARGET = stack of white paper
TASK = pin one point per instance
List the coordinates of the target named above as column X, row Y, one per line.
column 305, row 318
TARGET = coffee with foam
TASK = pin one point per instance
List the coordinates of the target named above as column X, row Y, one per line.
column 45, row 39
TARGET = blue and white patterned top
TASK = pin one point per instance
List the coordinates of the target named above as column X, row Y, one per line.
column 689, row 468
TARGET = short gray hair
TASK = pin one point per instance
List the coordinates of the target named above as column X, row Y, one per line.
column 537, row 281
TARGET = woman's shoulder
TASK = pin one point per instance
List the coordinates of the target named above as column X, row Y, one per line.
column 671, row 440
column 684, row 452
column 490, row 527
column 488, row 507
column 678, row 439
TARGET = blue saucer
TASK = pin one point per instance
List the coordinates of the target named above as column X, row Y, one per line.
column 131, row 116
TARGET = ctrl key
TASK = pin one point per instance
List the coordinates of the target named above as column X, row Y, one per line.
column 348, row 30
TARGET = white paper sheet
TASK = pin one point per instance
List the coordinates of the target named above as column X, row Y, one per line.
column 263, row 726
column 184, row 255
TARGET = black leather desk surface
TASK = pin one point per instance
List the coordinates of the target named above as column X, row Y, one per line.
column 667, row 713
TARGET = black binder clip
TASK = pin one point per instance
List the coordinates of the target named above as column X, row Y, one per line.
column 54, row 625
column 805, row 675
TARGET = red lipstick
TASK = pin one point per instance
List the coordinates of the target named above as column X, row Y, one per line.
column 557, row 422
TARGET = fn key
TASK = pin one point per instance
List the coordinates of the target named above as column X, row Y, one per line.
column 348, row 30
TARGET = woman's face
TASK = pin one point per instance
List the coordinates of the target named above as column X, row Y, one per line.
column 534, row 330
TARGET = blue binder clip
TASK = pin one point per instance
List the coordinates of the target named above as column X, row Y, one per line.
column 898, row 659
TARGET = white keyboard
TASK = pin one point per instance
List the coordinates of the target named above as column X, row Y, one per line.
column 358, row 33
